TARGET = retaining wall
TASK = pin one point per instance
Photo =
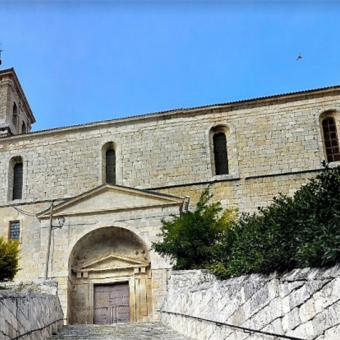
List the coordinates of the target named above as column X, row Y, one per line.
column 304, row 303
column 28, row 314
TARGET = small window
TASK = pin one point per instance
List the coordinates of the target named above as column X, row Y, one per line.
column 110, row 167
column 17, row 180
column 109, row 163
column 14, row 230
column 23, row 127
column 220, row 153
column 331, row 139
column 15, row 115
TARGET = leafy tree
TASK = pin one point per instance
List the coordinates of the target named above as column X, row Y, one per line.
column 298, row 231
column 191, row 239
column 292, row 232
column 9, row 257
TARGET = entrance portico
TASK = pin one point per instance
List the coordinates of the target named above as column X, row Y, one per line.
column 102, row 258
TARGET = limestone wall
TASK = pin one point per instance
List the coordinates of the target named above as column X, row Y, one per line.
column 173, row 150
column 10, row 94
column 304, row 303
column 28, row 314
column 245, row 194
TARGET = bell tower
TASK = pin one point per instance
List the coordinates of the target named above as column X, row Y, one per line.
column 16, row 116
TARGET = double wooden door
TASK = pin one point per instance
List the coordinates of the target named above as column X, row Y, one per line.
column 111, row 303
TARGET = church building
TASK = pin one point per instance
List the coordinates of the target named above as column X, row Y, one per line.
column 86, row 201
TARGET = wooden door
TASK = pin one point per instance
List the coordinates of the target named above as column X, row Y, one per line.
column 111, row 303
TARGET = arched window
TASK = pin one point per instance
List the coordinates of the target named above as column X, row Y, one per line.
column 110, row 167
column 23, row 127
column 109, row 160
column 220, row 153
column 331, row 140
column 17, row 178
column 219, row 141
column 15, row 114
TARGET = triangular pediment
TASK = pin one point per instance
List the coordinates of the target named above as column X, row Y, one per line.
column 111, row 198
column 110, row 262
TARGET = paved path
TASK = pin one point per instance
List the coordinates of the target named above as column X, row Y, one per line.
column 129, row 331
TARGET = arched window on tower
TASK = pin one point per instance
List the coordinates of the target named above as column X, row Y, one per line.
column 23, row 127
column 109, row 155
column 16, row 178
column 15, row 114
column 219, row 141
column 331, row 141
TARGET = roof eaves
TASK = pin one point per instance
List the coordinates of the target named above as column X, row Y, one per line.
column 232, row 105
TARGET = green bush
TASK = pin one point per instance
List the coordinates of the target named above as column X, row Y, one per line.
column 9, row 257
column 301, row 231
column 298, row 231
column 191, row 239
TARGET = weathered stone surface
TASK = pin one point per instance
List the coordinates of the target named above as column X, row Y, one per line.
column 15, row 113
column 32, row 313
column 35, row 286
column 132, row 331
column 273, row 304
column 273, row 145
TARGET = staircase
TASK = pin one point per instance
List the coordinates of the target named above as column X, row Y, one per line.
column 126, row 331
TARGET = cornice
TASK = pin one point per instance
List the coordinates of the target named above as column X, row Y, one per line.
column 184, row 112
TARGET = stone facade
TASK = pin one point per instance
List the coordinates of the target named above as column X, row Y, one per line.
column 15, row 113
column 30, row 312
column 163, row 162
column 172, row 150
column 106, row 238
column 304, row 304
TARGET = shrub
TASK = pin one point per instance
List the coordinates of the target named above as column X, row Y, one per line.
column 298, row 231
column 9, row 257
column 292, row 232
column 191, row 239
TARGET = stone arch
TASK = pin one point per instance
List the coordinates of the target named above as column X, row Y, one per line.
column 109, row 257
column 229, row 130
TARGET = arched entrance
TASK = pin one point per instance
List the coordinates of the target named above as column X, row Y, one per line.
column 110, row 278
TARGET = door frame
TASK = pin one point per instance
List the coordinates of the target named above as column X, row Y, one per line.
column 129, row 280
column 111, row 285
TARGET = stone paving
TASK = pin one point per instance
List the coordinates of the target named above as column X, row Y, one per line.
column 130, row 331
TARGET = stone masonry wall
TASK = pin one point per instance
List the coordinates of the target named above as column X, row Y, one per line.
column 304, row 303
column 245, row 195
column 29, row 312
column 173, row 150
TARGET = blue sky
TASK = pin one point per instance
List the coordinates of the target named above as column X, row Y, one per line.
column 92, row 60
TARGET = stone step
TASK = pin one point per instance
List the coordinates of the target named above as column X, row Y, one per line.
column 127, row 331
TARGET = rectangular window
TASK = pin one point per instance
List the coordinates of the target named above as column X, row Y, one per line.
column 14, row 230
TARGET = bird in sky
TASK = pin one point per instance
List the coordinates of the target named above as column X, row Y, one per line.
column 299, row 57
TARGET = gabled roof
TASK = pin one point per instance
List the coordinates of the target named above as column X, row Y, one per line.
column 111, row 198
column 109, row 262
